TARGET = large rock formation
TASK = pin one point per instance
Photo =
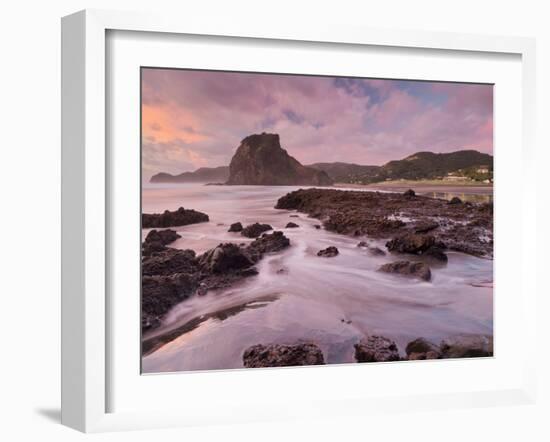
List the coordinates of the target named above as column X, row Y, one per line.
column 260, row 160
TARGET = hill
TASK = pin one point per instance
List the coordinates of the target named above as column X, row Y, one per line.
column 260, row 160
column 201, row 175
column 347, row 172
column 429, row 165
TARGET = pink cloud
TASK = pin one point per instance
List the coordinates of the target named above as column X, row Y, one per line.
column 197, row 118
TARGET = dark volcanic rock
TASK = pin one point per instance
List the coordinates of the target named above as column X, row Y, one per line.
column 291, row 225
column 164, row 237
column 169, row 261
column 407, row 268
column 159, row 293
column 260, row 160
column 418, row 244
column 437, row 252
column 422, row 349
column 376, row 251
column 224, row 258
column 170, row 276
column 467, row 346
column 411, row 243
column 255, row 230
column 466, row 228
column 235, row 227
column 329, row 252
column 317, row 226
column 267, row 243
column 148, row 248
column 180, row 217
column 455, row 200
column 409, row 193
column 376, row 349
column 279, row 355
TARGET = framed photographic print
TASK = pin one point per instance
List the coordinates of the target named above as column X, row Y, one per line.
column 250, row 214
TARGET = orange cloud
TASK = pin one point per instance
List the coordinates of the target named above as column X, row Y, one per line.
column 164, row 125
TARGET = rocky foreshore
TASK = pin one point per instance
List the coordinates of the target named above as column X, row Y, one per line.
column 413, row 224
column 418, row 231
column 180, row 217
column 371, row 348
column 170, row 275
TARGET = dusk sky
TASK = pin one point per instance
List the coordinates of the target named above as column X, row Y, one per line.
column 192, row 119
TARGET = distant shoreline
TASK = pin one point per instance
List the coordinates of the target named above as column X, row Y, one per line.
column 468, row 187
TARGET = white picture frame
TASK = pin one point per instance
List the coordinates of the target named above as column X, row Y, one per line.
column 86, row 212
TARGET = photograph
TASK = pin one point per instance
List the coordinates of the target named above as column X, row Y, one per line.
column 298, row 220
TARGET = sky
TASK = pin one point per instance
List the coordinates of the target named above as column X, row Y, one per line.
column 193, row 119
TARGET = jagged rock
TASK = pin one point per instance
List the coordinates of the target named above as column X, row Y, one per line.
column 317, row 226
column 260, row 160
column 436, row 252
column 159, row 293
column 180, row 217
column 363, row 244
column 170, row 275
column 235, row 227
column 373, row 214
column 169, row 261
column 411, row 243
column 291, row 225
column 407, row 268
column 224, row 258
column 455, row 200
column 150, row 248
column 267, row 243
column 376, row 349
column 164, row 237
column 418, row 244
column 329, row 252
column 376, row 251
column 255, row 230
column 409, row 193
column 280, row 355
column 467, row 346
column 422, row 349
